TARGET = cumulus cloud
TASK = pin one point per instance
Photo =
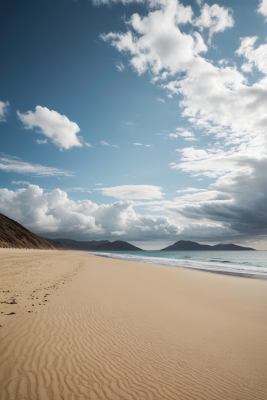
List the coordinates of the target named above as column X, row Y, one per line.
column 215, row 18
column 263, row 8
column 54, row 214
column 156, row 41
column 256, row 57
column 133, row 192
column 161, row 100
column 218, row 100
column 15, row 164
column 57, row 127
column 3, row 110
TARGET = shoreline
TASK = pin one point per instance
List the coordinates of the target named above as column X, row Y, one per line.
column 114, row 330
column 156, row 262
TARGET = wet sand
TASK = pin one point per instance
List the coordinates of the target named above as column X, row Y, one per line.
column 77, row 326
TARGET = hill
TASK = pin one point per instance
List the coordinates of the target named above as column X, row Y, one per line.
column 118, row 245
column 187, row 245
column 14, row 235
column 88, row 245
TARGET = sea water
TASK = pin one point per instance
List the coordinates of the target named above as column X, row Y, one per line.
column 232, row 262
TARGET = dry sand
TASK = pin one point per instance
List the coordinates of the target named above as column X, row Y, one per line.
column 123, row 330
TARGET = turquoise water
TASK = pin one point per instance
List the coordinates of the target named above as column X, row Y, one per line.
column 237, row 262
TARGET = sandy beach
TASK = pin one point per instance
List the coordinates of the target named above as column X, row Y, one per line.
column 77, row 326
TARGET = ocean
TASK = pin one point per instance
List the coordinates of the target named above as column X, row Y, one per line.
column 246, row 263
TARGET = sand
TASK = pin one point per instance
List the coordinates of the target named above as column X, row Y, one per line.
column 107, row 329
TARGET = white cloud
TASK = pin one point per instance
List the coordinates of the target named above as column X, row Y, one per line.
column 256, row 57
column 263, row 8
column 141, row 144
column 54, row 214
column 190, row 190
column 3, row 110
column 98, row 184
column 107, row 144
column 118, row 233
column 133, row 192
column 20, row 183
column 57, row 127
column 215, row 18
column 39, row 141
column 218, row 100
column 15, row 164
column 185, row 134
column 159, row 99
column 87, row 144
column 156, row 41
column 120, row 66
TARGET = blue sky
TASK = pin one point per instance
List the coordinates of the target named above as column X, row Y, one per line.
column 140, row 121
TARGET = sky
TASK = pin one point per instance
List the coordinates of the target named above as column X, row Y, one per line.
column 143, row 121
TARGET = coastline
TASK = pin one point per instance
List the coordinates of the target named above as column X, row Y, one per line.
column 196, row 265
column 113, row 329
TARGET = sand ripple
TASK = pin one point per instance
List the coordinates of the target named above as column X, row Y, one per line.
column 120, row 330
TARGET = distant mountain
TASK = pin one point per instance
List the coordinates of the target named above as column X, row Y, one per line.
column 118, row 245
column 14, row 235
column 222, row 246
column 89, row 245
column 183, row 245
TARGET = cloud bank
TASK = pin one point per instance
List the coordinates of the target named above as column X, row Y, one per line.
column 56, row 215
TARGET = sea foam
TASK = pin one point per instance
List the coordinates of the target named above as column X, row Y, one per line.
column 224, row 268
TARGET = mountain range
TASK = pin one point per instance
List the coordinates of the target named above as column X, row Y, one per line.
column 14, row 235
column 187, row 245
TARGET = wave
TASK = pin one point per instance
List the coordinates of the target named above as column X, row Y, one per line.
column 223, row 267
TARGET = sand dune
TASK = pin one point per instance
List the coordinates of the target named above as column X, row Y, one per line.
column 122, row 330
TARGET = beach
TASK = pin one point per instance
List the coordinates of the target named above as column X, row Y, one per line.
column 86, row 327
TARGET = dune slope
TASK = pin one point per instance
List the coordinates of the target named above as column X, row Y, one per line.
column 14, row 235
